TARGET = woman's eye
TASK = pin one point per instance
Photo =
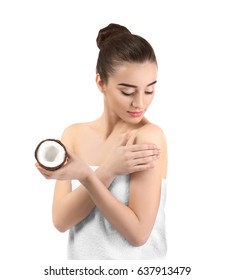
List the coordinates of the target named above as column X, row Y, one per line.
column 127, row 94
column 148, row 92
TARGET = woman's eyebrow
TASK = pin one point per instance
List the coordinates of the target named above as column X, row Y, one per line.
column 133, row 86
column 152, row 83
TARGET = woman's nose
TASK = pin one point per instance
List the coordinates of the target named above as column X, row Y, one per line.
column 138, row 101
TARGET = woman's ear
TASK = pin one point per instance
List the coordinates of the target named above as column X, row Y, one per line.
column 100, row 83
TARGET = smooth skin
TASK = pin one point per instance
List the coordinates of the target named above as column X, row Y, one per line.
column 119, row 142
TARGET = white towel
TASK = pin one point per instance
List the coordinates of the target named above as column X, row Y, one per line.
column 95, row 238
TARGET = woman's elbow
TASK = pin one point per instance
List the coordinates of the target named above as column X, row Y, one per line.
column 139, row 240
column 59, row 225
column 60, row 228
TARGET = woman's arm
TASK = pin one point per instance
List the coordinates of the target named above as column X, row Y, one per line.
column 71, row 207
column 136, row 220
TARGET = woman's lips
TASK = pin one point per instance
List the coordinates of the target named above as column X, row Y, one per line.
column 135, row 114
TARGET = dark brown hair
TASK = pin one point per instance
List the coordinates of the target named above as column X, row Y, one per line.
column 118, row 45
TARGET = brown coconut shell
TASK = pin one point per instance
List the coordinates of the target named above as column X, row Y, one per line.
column 47, row 167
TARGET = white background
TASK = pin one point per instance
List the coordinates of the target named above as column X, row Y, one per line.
column 48, row 56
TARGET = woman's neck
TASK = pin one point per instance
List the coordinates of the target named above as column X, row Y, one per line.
column 108, row 124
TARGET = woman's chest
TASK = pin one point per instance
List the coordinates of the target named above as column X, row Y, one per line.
column 93, row 150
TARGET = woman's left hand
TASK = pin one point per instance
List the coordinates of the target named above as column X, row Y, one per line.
column 74, row 169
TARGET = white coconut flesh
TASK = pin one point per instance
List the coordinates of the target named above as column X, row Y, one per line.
column 51, row 154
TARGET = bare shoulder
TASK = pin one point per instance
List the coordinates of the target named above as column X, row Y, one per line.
column 74, row 134
column 73, row 128
column 151, row 133
column 70, row 131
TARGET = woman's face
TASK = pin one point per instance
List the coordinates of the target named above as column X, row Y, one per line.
column 129, row 92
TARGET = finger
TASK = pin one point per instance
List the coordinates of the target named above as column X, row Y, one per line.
column 125, row 138
column 142, row 167
column 142, row 147
column 146, row 153
column 146, row 160
column 131, row 135
column 46, row 173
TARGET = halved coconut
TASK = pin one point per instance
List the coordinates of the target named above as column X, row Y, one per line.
column 51, row 154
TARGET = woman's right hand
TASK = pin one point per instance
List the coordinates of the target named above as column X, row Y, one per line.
column 126, row 157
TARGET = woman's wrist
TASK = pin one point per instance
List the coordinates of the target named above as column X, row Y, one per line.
column 104, row 175
column 101, row 174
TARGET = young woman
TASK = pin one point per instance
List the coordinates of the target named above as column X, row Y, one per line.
column 111, row 193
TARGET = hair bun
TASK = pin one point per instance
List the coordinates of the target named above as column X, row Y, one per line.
column 109, row 31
